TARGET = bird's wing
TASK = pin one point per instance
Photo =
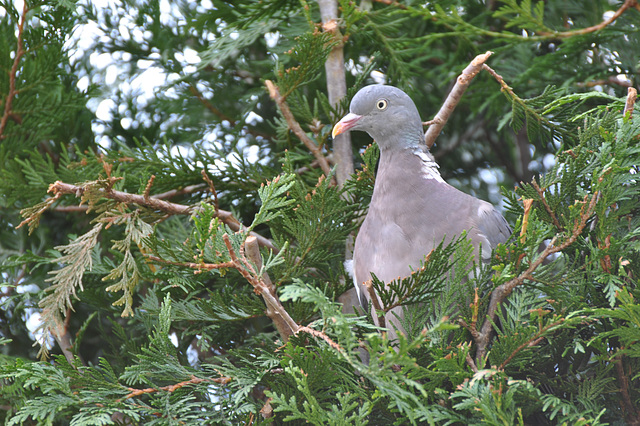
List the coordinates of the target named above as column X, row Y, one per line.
column 492, row 225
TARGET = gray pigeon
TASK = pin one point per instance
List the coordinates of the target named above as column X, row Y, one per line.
column 412, row 209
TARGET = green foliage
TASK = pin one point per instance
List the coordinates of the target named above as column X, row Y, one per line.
column 154, row 308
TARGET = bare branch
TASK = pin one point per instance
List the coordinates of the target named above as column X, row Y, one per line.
column 295, row 127
column 262, row 285
column 175, row 192
column 275, row 311
column 533, row 341
column 171, row 388
column 454, row 97
column 11, row 94
column 321, row 335
column 283, row 325
column 147, row 189
column 502, row 291
column 337, row 88
column 376, row 303
column 199, row 267
column 632, row 95
column 627, row 5
column 609, row 80
column 500, row 80
column 527, row 204
column 471, row 363
column 631, row 414
column 63, row 338
column 540, row 192
column 152, row 202
column 212, row 188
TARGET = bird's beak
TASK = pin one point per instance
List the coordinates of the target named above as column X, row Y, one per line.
column 347, row 122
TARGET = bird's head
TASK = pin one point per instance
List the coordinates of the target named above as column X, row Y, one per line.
column 387, row 114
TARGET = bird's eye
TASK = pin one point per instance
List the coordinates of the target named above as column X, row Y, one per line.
column 381, row 104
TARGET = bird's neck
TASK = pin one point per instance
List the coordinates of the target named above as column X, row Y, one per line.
column 410, row 159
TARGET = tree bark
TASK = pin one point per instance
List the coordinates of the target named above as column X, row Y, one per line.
column 337, row 89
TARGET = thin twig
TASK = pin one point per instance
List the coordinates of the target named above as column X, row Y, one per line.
column 471, row 363
column 63, row 337
column 609, row 80
column 295, row 127
column 380, row 313
column 631, row 415
column 632, row 95
column 212, row 188
column 540, row 192
column 502, row 291
column 194, row 265
column 321, row 335
column 175, row 192
column 533, row 341
column 500, row 80
column 260, row 281
column 527, row 203
column 11, row 94
column 172, row 388
column 166, row 206
column 454, row 97
column 564, row 34
column 147, row 189
column 275, row 311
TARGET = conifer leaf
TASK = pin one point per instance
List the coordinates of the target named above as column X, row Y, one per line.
column 77, row 258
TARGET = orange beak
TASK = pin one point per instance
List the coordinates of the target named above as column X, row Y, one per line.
column 347, row 122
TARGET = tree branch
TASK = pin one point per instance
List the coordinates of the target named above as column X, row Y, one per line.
column 380, row 313
column 295, row 127
column 152, row 202
column 337, row 88
column 533, row 341
column 631, row 415
column 171, row 388
column 321, row 335
column 262, row 285
column 632, row 94
column 502, row 291
column 454, row 97
column 275, row 311
column 627, row 5
column 540, row 192
column 8, row 102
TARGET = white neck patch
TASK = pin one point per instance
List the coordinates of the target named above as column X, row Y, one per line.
column 429, row 166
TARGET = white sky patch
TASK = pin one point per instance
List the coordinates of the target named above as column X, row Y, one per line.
column 253, row 118
column 272, row 39
column 174, row 339
column 548, row 161
column 33, row 322
column 379, row 77
column 103, row 112
column 251, row 153
column 488, row 176
column 192, row 354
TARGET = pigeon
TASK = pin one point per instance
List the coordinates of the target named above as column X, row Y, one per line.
column 412, row 209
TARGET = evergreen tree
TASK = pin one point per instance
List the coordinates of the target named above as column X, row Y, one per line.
column 177, row 256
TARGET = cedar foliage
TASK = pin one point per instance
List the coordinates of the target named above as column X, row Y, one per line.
column 134, row 244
